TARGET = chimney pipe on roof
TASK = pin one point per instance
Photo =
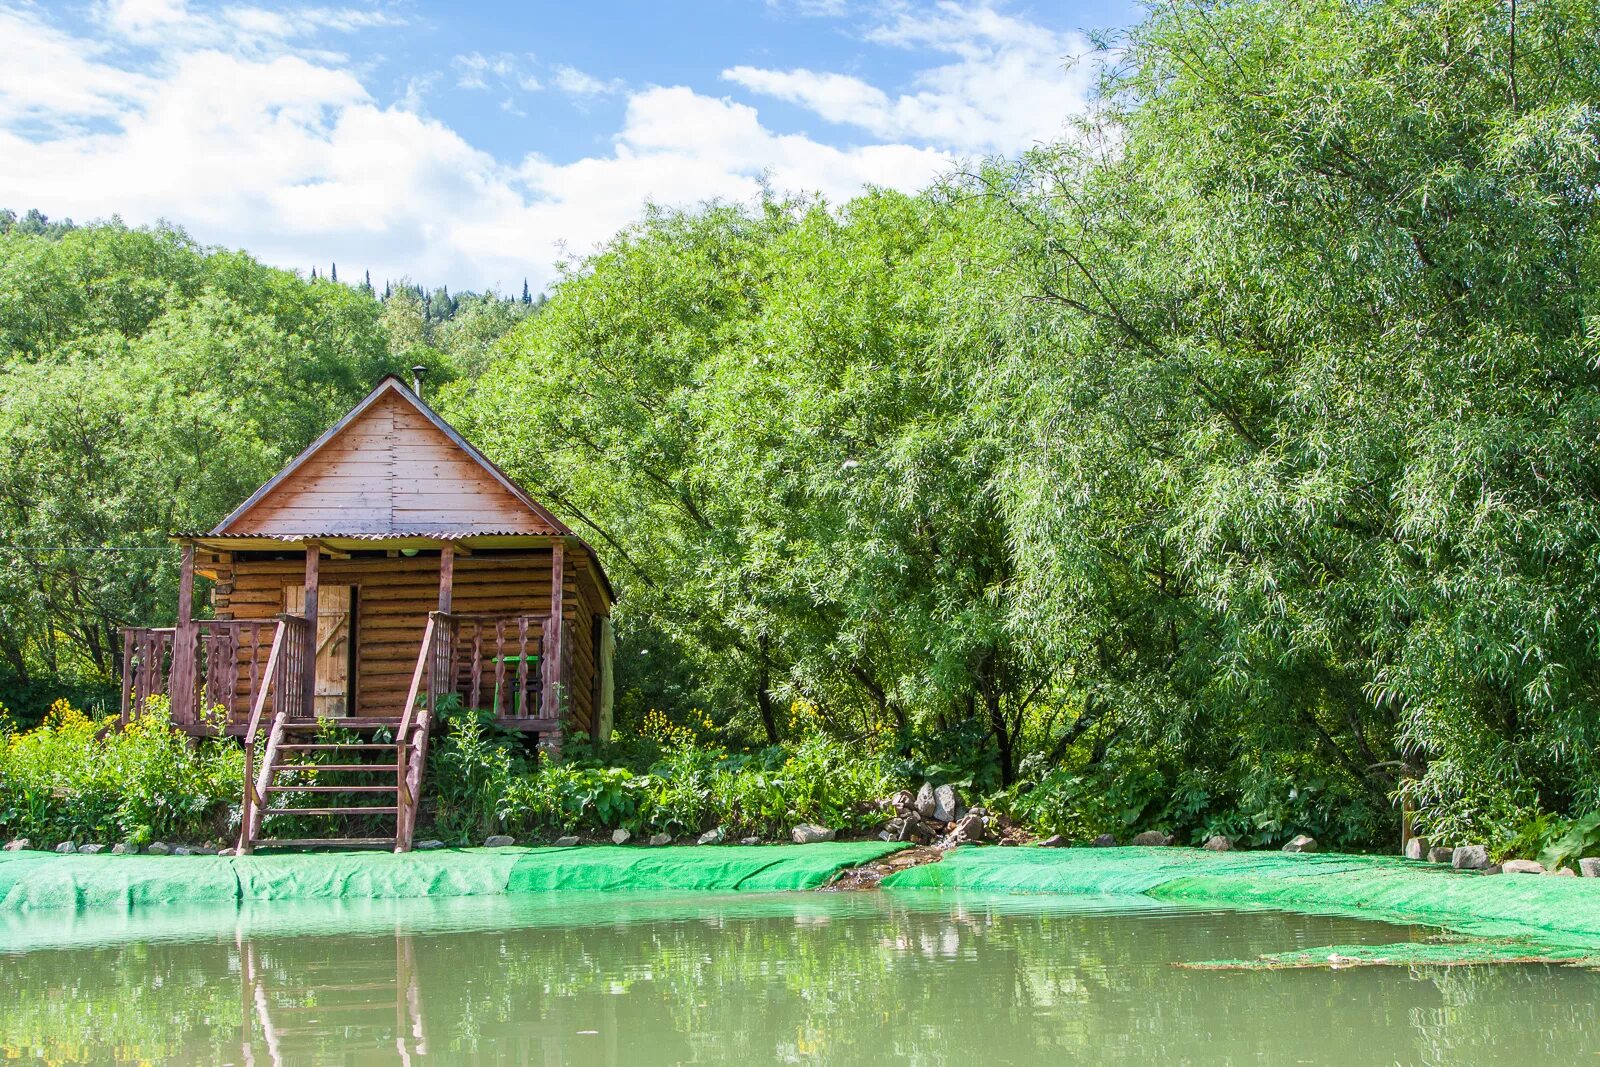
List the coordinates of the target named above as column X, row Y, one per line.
column 417, row 373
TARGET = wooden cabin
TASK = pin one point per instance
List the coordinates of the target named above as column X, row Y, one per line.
column 387, row 576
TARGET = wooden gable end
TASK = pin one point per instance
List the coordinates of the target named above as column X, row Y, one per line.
column 393, row 468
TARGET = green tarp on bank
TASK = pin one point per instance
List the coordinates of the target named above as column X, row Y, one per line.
column 1558, row 912
column 36, row 881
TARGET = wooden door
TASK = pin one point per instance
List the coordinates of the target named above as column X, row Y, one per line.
column 334, row 626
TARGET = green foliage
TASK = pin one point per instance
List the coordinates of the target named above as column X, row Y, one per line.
column 75, row 778
column 482, row 785
column 147, row 385
column 1576, row 839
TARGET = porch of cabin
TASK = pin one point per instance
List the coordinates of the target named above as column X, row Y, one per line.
column 474, row 621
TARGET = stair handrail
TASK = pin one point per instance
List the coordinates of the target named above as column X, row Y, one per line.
column 429, row 635
column 411, row 746
column 268, row 680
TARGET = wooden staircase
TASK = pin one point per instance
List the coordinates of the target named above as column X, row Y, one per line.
column 306, row 756
column 359, row 1005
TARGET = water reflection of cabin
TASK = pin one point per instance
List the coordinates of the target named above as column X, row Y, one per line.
column 432, row 578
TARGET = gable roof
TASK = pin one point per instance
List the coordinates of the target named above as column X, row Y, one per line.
column 392, row 467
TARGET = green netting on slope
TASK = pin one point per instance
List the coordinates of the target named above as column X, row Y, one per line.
column 1444, row 953
column 1553, row 911
column 35, row 881
column 752, row 868
column 463, row 872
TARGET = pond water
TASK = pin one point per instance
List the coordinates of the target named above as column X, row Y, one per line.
column 817, row 978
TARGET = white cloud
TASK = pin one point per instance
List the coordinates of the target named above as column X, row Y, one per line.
column 1009, row 86
column 56, row 80
column 139, row 17
column 575, row 82
column 269, row 146
column 678, row 146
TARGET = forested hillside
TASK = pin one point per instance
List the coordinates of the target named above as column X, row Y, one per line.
column 1230, row 466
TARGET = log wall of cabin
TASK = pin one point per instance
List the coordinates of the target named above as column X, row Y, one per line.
column 393, row 598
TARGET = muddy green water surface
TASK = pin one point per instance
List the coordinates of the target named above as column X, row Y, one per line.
column 867, row 978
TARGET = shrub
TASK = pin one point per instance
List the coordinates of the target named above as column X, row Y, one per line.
column 79, row 778
column 690, row 787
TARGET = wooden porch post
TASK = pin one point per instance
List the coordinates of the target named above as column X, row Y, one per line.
column 555, row 679
column 184, row 685
column 308, row 681
column 447, row 575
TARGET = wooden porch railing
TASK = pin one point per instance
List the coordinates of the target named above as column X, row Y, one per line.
column 470, row 657
column 496, row 663
column 229, row 669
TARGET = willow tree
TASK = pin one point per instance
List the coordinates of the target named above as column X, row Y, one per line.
column 763, row 418
column 1307, row 472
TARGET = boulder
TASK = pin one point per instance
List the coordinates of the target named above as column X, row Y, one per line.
column 1153, row 839
column 1563, row 872
column 969, row 828
column 123, row 849
column 203, row 850
column 498, row 841
column 1417, row 848
column 1493, row 868
column 158, row 848
column 711, row 837
column 911, row 828
column 1301, row 843
column 657, row 840
column 749, row 840
column 808, row 833
column 925, row 802
column 1218, row 843
column 1590, row 868
column 18, row 844
column 227, row 852
column 1440, row 854
column 567, row 842
column 1104, row 841
column 1054, row 841
column 1470, row 858
column 91, row 850
column 884, row 835
column 621, row 836
column 947, row 806
column 429, row 845
column 183, row 850
column 1522, row 867
column 66, row 848
column 902, row 801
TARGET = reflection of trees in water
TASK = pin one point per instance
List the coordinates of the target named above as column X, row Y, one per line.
column 966, row 985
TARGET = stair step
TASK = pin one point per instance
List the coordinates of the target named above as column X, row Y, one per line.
column 325, row 842
column 332, row 788
column 388, row 767
column 308, row 725
column 376, row 810
column 337, row 747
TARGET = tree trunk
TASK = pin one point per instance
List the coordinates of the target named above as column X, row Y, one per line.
column 769, row 720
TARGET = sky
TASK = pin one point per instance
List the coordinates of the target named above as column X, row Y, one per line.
column 478, row 144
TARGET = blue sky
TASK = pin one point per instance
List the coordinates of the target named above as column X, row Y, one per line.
column 476, row 144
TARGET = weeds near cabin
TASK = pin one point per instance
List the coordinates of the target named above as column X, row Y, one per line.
column 674, row 781
column 79, row 778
